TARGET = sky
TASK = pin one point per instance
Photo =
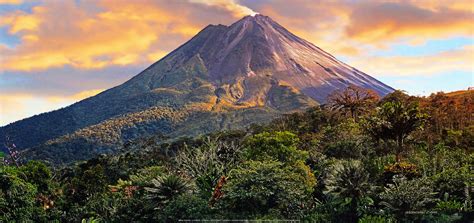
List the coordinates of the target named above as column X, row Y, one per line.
column 54, row 53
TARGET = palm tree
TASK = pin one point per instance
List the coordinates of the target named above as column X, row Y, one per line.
column 349, row 182
column 166, row 188
column 353, row 100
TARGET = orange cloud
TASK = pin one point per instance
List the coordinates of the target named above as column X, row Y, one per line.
column 10, row 2
column 62, row 33
column 20, row 21
column 351, row 27
column 375, row 22
column 17, row 106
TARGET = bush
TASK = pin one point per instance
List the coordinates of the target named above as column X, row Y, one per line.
column 452, row 182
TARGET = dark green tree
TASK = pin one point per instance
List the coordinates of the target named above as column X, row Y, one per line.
column 17, row 197
column 280, row 146
column 258, row 188
column 395, row 121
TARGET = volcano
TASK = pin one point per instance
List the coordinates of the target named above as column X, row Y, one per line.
column 225, row 77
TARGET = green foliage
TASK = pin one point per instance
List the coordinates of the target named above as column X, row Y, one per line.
column 90, row 220
column 265, row 172
column 452, row 182
column 90, row 182
column 261, row 187
column 186, row 207
column 144, row 176
column 395, row 121
column 208, row 162
column 280, row 146
column 37, row 173
column 17, row 197
column 345, row 141
column 375, row 219
column 449, row 207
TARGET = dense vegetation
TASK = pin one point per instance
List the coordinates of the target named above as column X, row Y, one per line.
column 357, row 159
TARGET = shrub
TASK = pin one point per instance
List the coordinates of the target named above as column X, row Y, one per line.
column 452, row 182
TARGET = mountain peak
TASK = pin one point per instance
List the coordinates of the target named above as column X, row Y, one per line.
column 258, row 49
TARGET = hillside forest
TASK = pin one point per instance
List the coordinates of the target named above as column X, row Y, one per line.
column 358, row 158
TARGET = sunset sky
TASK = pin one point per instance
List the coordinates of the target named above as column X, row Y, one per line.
column 54, row 53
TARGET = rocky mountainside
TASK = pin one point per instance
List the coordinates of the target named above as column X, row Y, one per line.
column 225, row 77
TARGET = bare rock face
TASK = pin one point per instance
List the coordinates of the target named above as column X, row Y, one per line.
column 224, row 77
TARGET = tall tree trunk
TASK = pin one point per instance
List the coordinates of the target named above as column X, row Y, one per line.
column 399, row 149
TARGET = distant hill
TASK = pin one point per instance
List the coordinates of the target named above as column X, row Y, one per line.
column 225, row 77
column 461, row 92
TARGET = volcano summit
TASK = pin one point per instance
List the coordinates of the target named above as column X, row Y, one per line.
column 224, row 77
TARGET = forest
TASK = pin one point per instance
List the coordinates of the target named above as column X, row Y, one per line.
column 358, row 158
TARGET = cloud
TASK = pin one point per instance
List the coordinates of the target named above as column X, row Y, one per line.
column 345, row 27
column 94, row 35
column 14, row 107
column 374, row 22
column 65, row 81
column 457, row 60
column 232, row 6
column 10, row 2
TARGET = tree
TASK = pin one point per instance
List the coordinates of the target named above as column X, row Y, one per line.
column 17, row 197
column 345, row 140
column 353, row 100
column 264, row 187
column 186, row 206
column 395, row 121
column 280, row 146
column 208, row 162
column 38, row 174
